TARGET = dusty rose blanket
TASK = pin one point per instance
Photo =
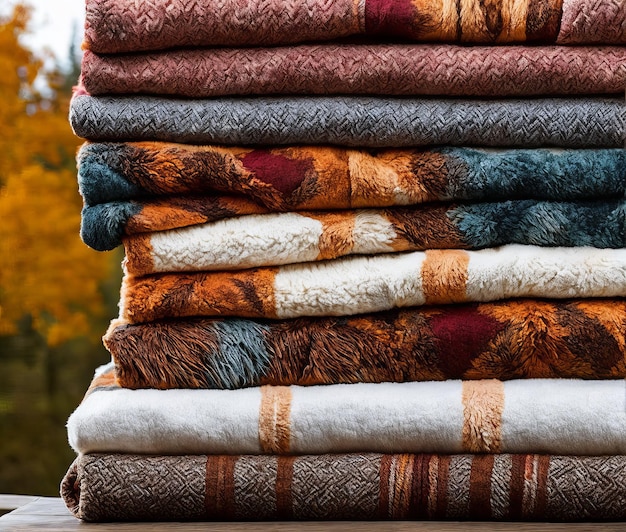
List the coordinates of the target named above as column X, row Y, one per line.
column 431, row 70
column 360, row 284
column 363, row 486
column 527, row 338
column 127, row 25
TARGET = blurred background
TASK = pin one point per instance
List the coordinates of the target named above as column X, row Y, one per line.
column 56, row 295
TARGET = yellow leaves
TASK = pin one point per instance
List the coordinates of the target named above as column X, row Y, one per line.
column 31, row 127
column 45, row 270
column 19, row 68
column 14, row 55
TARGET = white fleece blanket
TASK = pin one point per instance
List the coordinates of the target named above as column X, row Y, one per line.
column 291, row 237
column 520, row 416
column 362, row 284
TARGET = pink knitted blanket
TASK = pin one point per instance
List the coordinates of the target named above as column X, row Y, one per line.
column 128, row 25
column 399, row 69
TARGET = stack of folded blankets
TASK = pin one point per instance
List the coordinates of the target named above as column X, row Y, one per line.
column 375, row 260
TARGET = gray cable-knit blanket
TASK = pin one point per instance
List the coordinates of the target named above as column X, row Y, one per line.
column 353, row 121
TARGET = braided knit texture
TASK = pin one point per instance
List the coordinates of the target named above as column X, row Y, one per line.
column 117, row 487
column 593, row 21
column 114, row 26
column 353, row 121
column 445, row 70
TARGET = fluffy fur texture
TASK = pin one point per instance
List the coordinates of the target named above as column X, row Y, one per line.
column 174, row 185
column 287, row 238
column 353, row 121
column 435, row 70
column 299, row 178
column 106, row 487
column 356, row 285
column 113, row 26
column 506, row 340
column 559, row 416
column 104, row 226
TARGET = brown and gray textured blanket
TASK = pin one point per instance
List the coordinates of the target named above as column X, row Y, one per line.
column 362, row 486
column 127, row 25
column 430, row 70
column 505, row 340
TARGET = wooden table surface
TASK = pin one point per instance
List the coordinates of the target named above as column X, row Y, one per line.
column 50, row 514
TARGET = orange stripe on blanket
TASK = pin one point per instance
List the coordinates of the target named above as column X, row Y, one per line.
column 444, row 276
column 439, row 19
column 152, row 214
column 401, row 482
column 219, row 496
column 284, row 490
column 483, row 403
column 503, row 21
column 480, row 486
column 275, row 419
column 138, row 251
column 248, row 293
column 541, row 498
column 337, row 238
column 108, row 379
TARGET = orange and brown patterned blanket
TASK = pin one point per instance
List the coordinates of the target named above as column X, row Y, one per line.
column 514, row 339
column 360, row 284
column 132, row 188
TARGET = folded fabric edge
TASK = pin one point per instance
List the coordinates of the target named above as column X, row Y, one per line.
column 356, row 486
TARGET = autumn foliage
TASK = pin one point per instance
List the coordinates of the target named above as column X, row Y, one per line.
column 46, row 273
